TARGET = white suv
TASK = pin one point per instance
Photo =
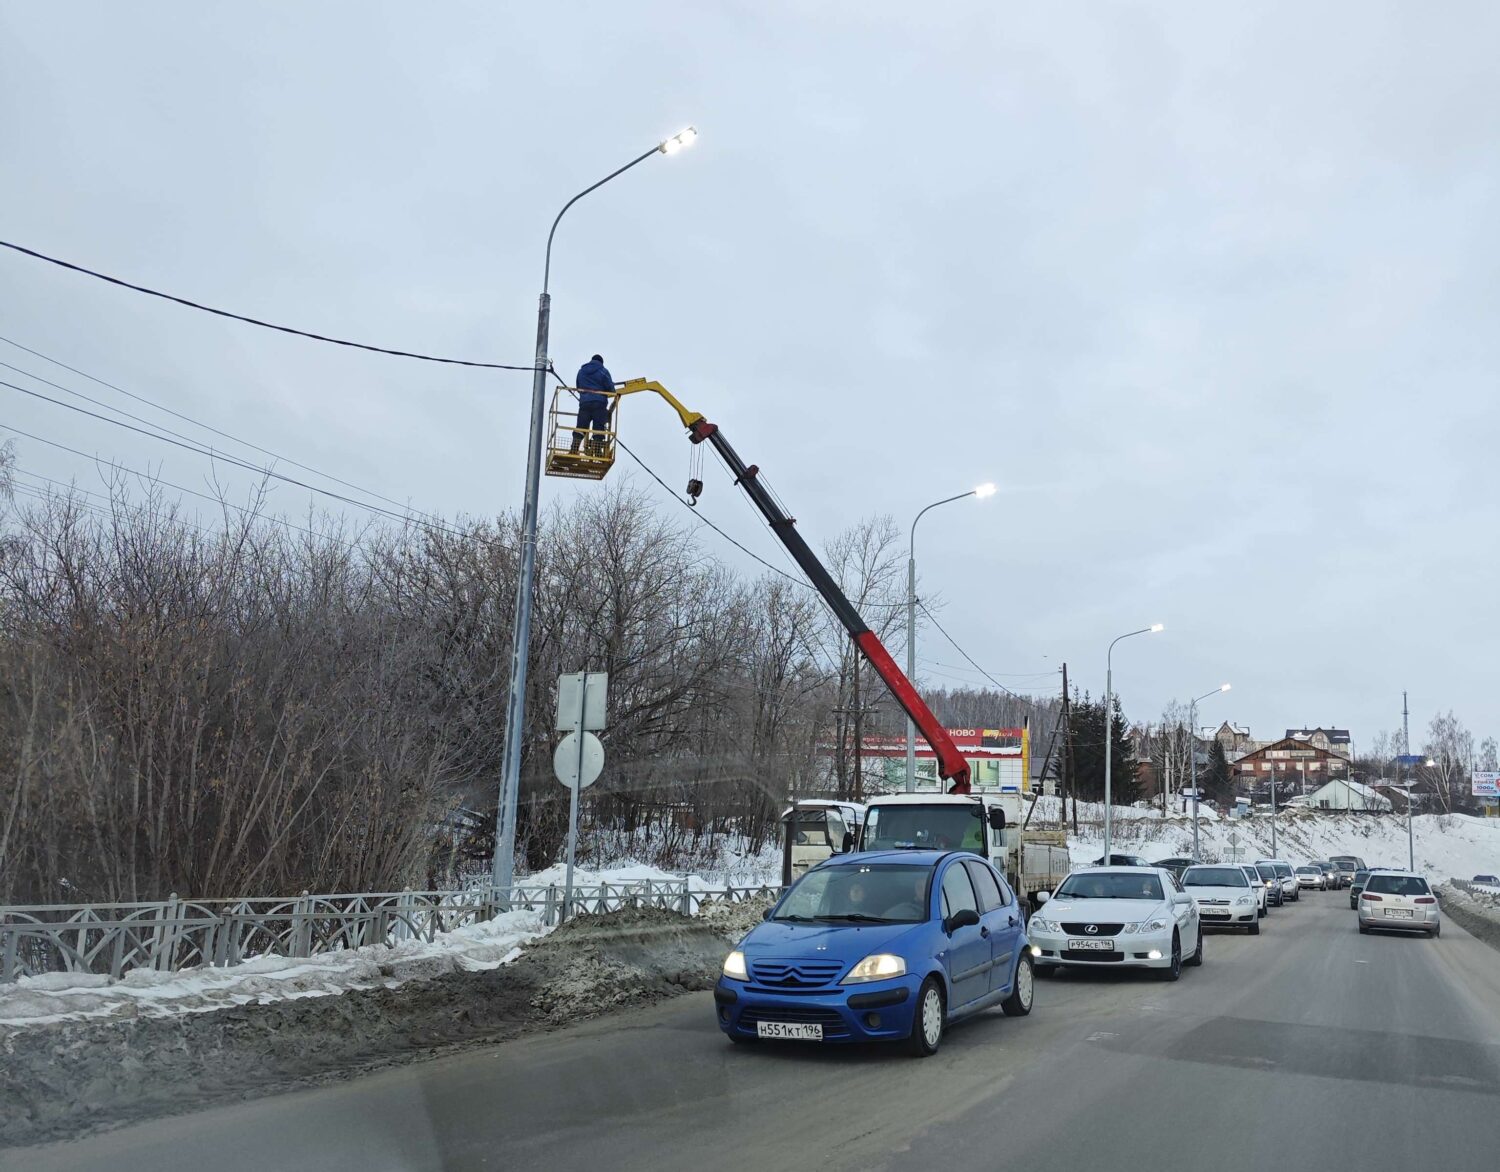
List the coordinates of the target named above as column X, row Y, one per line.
column 1288, row 877
column 1399, row 900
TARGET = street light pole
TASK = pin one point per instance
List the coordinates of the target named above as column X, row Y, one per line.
column 1109, row 745
column 1193, row 756
column 520, row 636
column 980, row 493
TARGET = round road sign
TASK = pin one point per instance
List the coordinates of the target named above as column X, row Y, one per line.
column 565, row 761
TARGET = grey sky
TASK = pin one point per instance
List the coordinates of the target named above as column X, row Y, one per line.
column 1208, row 289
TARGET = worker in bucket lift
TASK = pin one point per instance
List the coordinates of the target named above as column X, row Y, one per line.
column 593, row 381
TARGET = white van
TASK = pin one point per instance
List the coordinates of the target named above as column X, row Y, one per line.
column 824, row 829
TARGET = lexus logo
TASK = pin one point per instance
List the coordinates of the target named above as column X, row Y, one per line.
column 1092, row 929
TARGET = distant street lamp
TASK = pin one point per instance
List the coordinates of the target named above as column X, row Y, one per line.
column 520, row 633
column 979, row 493
column 1109, row 745
column 1411, row 842
column 1193, row 756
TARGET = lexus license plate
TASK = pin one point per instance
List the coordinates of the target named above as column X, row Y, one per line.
column 1092, row 945
column 1399, row 913
column 799, row 1031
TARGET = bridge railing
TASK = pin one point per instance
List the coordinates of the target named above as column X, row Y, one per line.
column 165, row 936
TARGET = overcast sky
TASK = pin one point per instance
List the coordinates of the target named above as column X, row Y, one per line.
column 1209, row 290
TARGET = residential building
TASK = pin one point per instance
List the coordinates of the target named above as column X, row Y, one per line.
column 1295, row 764
column 1341, row 794
column 1334, row 739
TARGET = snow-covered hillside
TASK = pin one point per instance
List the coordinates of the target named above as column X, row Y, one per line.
column 1447, row 846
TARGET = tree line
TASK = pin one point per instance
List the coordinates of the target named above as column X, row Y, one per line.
column 250, row 708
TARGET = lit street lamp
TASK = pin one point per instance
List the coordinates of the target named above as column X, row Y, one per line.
column 1193, row 756
column 1411, row 842
column 979, row 493
column 520, row 637
column 1109, row 684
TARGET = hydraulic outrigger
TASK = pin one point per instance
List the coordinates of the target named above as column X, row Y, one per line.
column 951, row 765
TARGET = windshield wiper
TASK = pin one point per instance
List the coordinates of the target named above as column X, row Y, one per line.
column 799, row 919
column 861, row 918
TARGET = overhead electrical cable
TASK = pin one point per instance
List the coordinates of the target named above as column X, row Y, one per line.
column 185, row 418
column 255, row 321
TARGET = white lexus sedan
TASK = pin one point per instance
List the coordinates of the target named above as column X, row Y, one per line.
column 1224, row 897
column 1128, row 917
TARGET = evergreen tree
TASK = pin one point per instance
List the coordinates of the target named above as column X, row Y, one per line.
column 1216, row 780
column 1087, row 746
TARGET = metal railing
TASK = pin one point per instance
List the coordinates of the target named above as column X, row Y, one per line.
column 115, row 938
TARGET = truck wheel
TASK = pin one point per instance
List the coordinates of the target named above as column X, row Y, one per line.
column 1018, row 1004
column 927, row 1022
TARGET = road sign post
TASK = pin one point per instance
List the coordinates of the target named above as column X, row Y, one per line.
column 581, row 702
column 1234, row 841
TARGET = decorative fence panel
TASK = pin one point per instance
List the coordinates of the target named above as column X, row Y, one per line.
column 114, row 938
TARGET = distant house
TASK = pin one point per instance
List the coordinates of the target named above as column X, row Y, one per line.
column 1294, row 763
column 1341, row 794
column 1334, row 739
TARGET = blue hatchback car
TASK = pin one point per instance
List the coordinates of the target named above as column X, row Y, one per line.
column 888, row 946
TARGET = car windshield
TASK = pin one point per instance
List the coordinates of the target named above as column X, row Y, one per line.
column 1397, row 885
column 1308, row 871
column 1282, row 869
column 1106, row 885
column 951, row 826
column 884, row 893
column 1214, row 877
column 1265, row 871
column 1361, row 876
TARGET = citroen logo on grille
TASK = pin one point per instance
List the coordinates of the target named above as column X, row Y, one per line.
column 1092, row 929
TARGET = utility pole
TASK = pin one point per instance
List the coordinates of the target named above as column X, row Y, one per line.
column 1411, row 842
column 1070, row 790
column 1273, row 813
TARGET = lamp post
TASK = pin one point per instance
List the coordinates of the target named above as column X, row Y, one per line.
column 520, row 635
column 1411, row 842
column 978, row 493
column 1193, row 756
column 1109, row 686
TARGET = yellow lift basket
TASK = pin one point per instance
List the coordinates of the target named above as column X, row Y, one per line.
column 581, row 453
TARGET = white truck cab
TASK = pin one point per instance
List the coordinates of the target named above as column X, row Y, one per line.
column 824, row 828
column 989, row 824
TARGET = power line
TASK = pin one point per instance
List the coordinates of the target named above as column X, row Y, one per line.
column 179, row 415
column 148, row 478
column 253, row 320
column 1024, row 699
column 215, row 455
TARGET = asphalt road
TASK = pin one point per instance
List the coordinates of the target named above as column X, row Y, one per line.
column 1308, row 1047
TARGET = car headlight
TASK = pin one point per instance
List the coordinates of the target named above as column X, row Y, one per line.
column 1150, row 926
column 1042, row 925
column 734, row 966
column 880, row 966
column 1244, row 900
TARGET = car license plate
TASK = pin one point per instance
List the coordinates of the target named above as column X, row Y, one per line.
column 1399, row 913
column 1092, row 945
column 787, row 1029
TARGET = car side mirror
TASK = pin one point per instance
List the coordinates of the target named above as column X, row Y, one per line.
column 766, row 915
column 963, row 918
column 1043, row 896
column 997, row 818
column 848, row 844
column 1182, row 897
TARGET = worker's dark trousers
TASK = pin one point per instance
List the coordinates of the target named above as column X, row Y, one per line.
column 593, row 415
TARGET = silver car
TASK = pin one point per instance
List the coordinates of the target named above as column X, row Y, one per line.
column 1400, row 901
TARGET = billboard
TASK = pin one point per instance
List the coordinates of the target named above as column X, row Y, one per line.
column 1485, row 784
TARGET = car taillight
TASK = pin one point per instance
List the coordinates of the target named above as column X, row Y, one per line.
column 1367, row 895
column 1424, row 899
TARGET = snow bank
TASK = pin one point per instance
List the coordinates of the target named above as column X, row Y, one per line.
column 1447, row 845
column 57, row 997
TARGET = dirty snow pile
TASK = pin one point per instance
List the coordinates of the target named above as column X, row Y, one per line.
column 56, row 997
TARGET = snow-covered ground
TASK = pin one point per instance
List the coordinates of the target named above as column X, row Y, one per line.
column 1447, row 846
column 54, row 997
